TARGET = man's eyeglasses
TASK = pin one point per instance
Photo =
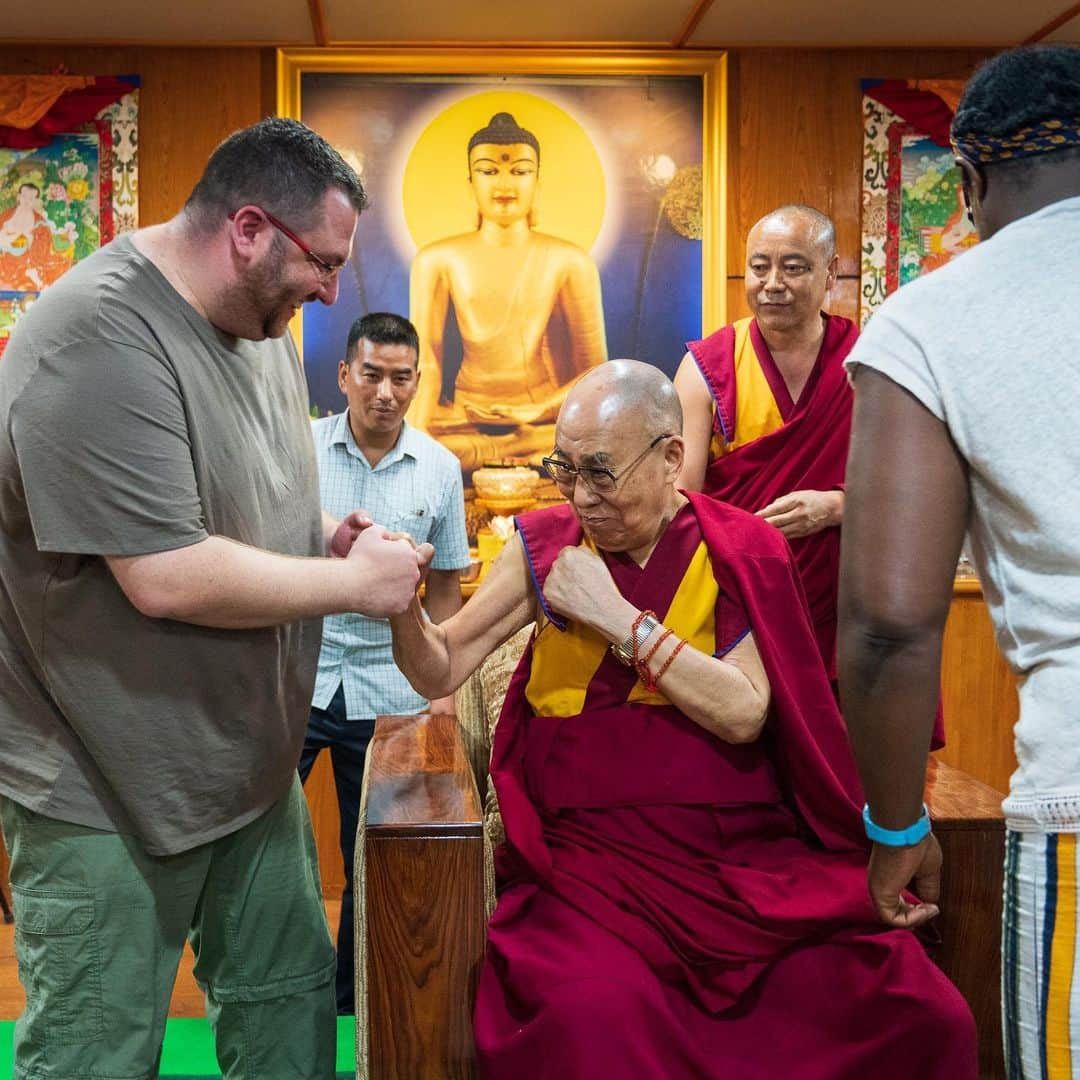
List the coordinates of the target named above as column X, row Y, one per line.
column 326, row 271
column 599, row 480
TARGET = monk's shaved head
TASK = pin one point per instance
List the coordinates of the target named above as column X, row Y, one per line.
column 620, row 431
column 625, row 392
column 791, row 265
column 819, row 229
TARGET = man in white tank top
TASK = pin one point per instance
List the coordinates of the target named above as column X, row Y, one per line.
column 967, row 400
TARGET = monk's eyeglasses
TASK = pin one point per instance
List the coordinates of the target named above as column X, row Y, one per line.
column 598, row 479
column 326, row 271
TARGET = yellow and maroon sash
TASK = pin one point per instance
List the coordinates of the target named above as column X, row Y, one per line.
column 567, row 663
column 756, row 459
column 753, row 411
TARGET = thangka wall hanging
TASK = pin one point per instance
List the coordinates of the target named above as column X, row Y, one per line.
column 913, row 215
column 68, row 178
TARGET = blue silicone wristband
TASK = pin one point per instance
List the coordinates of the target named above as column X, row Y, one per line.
column 897, row 837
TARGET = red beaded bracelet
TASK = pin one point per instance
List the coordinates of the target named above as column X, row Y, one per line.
column 652, row 652
column 642, row 665
column 667, row 663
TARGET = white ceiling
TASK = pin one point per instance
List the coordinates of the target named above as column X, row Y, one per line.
column 725, row 23
column 884, row 22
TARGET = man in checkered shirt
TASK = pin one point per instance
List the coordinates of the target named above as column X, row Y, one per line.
column 368, row 456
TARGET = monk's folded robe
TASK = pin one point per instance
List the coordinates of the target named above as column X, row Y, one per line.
column 672, row 905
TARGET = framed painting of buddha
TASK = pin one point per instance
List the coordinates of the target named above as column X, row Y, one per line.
column 533, row 213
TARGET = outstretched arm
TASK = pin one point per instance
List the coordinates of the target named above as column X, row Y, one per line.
column 907, row 509
column 437, row 658
column 697, row 407
column 442, row 600
column 222, row 583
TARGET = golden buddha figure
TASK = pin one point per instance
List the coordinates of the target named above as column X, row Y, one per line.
column 527, row 305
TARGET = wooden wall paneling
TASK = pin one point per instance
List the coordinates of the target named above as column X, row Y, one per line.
column 735, row 241
column 796, row 131
column 791, row 121
column 12, row 997
column 978, row 694
column 190, row 100
column 206, row 102
column 844, row 299
column 737, row 308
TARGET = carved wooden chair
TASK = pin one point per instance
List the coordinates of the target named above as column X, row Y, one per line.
column 425, row 887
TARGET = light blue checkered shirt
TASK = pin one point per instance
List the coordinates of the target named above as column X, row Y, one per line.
column 415, row 488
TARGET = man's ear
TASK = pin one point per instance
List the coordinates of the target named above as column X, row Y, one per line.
column 343, row 374
column 832, row 271
column 246, row 228
column 972, row 184
column 674, row 453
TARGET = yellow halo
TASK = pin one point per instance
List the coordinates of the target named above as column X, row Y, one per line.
column 436, row 195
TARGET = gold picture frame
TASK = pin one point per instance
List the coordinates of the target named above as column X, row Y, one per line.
column 443, row 64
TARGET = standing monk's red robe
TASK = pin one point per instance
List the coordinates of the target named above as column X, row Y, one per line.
column 674, row 906
column 765, row 446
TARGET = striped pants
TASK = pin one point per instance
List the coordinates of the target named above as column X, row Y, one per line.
column 1040, row 994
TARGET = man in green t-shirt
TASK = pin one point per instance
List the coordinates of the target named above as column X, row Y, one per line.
column 163, row 570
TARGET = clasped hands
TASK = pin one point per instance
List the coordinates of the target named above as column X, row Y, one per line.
column 400, row 565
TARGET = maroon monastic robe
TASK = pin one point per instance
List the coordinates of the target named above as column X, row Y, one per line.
column 808, row 452
column 675, row 906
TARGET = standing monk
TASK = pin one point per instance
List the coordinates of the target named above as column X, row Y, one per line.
column 767, row 407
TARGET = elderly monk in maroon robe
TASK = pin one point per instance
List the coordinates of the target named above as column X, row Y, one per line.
column 682, row 888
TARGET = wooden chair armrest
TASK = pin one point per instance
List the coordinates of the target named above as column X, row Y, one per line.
column 959, row 801
column 422, row 899
column 420, row 776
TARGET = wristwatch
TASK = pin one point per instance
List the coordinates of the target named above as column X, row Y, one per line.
column 624, row 653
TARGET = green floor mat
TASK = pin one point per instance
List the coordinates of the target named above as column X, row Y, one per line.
column 189, row 1050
